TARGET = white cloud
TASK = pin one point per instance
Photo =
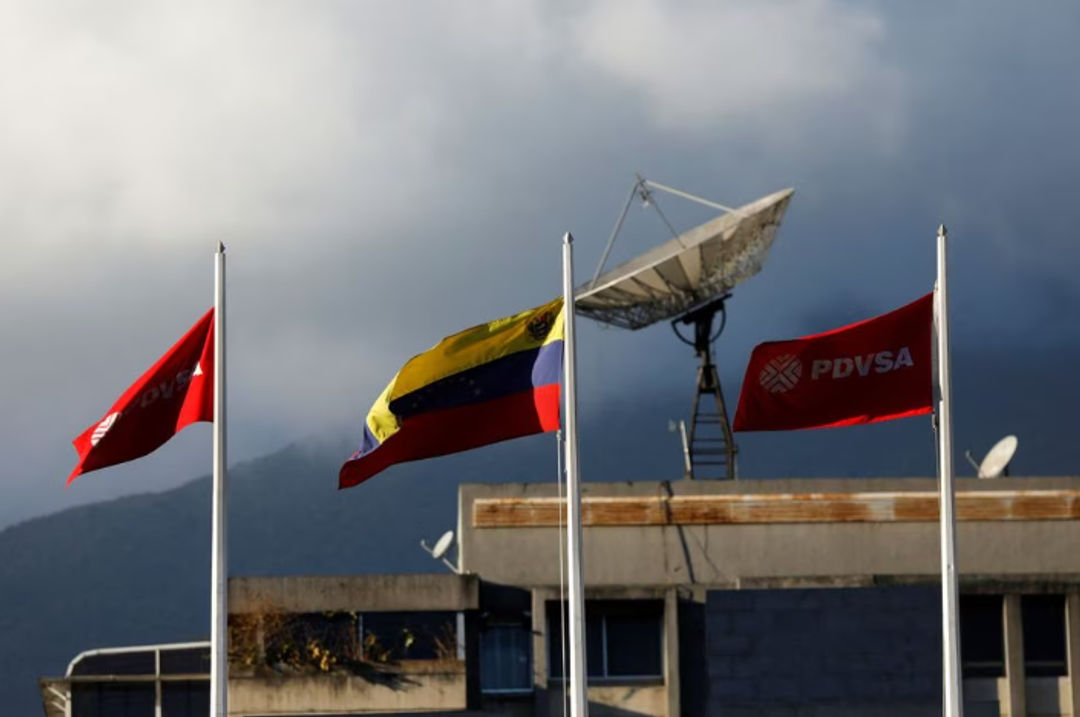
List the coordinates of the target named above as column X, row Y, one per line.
column 135, row 124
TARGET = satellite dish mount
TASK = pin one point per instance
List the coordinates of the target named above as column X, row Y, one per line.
column 711, row 444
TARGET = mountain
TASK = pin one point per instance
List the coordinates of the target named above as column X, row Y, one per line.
column 136, row 570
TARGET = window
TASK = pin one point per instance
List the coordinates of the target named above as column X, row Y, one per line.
column 1043, row 618
column 113, row 699
column 186, row 661
column 183, row 698
column 623, row 640
column 982, row 643
column 506, row 658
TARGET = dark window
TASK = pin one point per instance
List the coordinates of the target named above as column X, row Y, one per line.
column 506, row 657
column 186, row 661
column 389, row 636
column 623, row 639
column 113, row 699
column 185, row 699
column 633, row 645
column 1043, row 618
column 982, row 643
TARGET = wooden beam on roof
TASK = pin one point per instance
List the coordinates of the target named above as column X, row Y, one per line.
column 765, row 508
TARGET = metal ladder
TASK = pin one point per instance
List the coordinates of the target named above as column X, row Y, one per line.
column 710, row 443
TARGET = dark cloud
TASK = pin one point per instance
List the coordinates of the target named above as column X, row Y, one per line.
column 383, row 177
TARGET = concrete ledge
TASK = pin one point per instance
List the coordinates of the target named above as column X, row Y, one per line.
column 367, row 593
column 766, row 508
column 973, row 584
column 442, row 691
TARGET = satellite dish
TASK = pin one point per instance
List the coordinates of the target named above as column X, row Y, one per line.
column 688, row 270
column 442, row 545
column 996, row 462
column 687, row 280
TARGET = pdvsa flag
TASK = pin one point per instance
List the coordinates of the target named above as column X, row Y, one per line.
column 489, row 383
column 871, row 371
column 176, row 391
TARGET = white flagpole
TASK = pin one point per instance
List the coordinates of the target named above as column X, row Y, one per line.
column 579, row 703
column 950, row 637
column 219, row 612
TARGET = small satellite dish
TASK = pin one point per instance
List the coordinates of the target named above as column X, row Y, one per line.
column 996, row 462
column 442, row 545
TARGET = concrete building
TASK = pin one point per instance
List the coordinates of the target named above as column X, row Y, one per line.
column 778, row 597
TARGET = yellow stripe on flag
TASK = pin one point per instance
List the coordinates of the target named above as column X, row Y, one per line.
column 479, row 345
column 467, row 349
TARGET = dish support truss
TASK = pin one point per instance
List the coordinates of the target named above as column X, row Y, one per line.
column 710, row 445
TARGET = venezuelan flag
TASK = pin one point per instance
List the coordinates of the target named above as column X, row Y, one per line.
column 489, row 383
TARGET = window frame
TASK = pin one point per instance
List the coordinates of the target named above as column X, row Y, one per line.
column 971, row 608
column 602, row 611
column 1040, row 608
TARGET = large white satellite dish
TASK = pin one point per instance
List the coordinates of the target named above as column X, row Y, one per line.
column 687, row 280
column 687, row 270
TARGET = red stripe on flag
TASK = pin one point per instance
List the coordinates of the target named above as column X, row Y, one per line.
column 460, row 428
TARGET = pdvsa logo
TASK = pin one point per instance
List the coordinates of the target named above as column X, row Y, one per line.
column 844, row 366
column 102, row 428
column 780, row 374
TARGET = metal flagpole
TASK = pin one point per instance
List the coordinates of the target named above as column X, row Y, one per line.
column 219, row 660
column 561, row 550
column 950, row 637
column 579, row 704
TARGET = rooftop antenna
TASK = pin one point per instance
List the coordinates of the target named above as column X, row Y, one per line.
column 687, row 280
column 442, row 545
column 996, row 462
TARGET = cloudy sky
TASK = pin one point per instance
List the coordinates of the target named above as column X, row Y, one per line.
column 384, row 174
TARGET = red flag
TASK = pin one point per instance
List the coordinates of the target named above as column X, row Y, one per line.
column 176, row 391
column 875, row 370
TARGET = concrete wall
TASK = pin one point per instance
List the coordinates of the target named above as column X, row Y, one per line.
column 825, row 652
column 409, row 688
column 616, row 701
column 738, row 554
